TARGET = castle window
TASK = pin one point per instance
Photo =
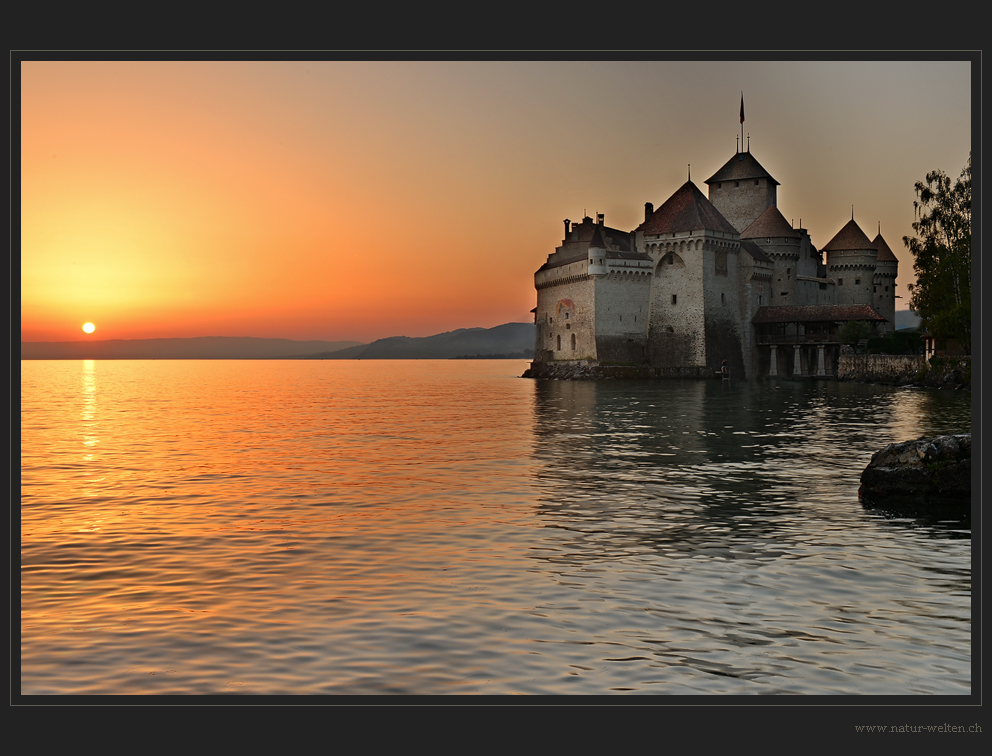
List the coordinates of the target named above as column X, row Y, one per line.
column 788, row 271
column 566, row 316
column 721, row 297
column 559, row 343
column 857, row 281
column 573, row 341
column 674, row 298
column 756, row 182
column 886, row 288
column 737, row 183
column 785, row 294
column 720, row 185
column 840, row 281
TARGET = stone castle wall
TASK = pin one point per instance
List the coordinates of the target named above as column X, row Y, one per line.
column 854, row 272
column 722, row 326
column 675, row 331
column 563, row 310
column 622, row 304
column 743, row 203
column 879, row 368
column 885, row 294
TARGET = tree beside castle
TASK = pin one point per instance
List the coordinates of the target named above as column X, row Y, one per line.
column 942, row 256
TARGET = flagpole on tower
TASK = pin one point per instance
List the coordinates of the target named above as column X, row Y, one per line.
column 742, row 117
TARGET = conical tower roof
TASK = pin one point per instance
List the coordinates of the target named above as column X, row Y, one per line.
column 741, row 166
column 596, row 242
column 849, row 237
column 884, row 253
column 770, row 223
column 686, row 210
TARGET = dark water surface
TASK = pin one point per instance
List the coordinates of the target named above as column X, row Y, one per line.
column 445, row 527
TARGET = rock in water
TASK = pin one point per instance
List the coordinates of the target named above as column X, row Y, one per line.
column 927, row 472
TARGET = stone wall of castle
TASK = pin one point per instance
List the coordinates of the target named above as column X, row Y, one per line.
column 754, row 281
column 854, row 273
column 884, row 300
column 622, row 304
column 566, row 320
column 814, row 291
column 675, row 332
column 879, row 368
column 741, row 202
column 722, row 326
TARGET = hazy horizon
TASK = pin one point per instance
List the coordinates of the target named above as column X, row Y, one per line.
column 355, row 201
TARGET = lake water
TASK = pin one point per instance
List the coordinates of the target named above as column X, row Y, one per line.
column 446, row 527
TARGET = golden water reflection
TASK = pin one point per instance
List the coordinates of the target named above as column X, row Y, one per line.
column 433, row 527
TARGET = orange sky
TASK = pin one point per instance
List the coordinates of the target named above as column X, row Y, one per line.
column 358, row 200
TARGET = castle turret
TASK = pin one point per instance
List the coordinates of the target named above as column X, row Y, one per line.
column 851, row 262
column 782, row 243
column 884, row 283
column 742, row 190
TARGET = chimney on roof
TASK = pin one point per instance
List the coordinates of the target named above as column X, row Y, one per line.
column 648, row 211
column 567, row 224
column 600, row 218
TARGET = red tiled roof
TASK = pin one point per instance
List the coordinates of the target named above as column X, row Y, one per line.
column 849, row 237
column 769, row 223
column 884, row 253
column 686, row 210
column 740, row 166
column 815, row 314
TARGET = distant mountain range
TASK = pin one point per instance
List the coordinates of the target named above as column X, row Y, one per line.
column 201, row 348
column 514, row 340
column 906, row 319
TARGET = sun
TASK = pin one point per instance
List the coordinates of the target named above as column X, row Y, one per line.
column 89, row 327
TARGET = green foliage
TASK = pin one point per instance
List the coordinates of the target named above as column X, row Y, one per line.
column 854, row 331
column 898, row 342
column 942, row 256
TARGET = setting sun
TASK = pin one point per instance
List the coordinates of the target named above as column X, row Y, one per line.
column 89, row 327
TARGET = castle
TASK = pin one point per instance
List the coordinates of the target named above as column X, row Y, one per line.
column 707, row 279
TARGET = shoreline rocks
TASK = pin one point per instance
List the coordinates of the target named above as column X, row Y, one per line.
column 951, row 373
column 924, row 473
column 571, row 371
column 579, row 371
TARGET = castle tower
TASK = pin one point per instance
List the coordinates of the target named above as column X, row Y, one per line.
column 851, row 262
column 884, row 283
column 742, row 190
column 783, row 246
column 695, row 289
